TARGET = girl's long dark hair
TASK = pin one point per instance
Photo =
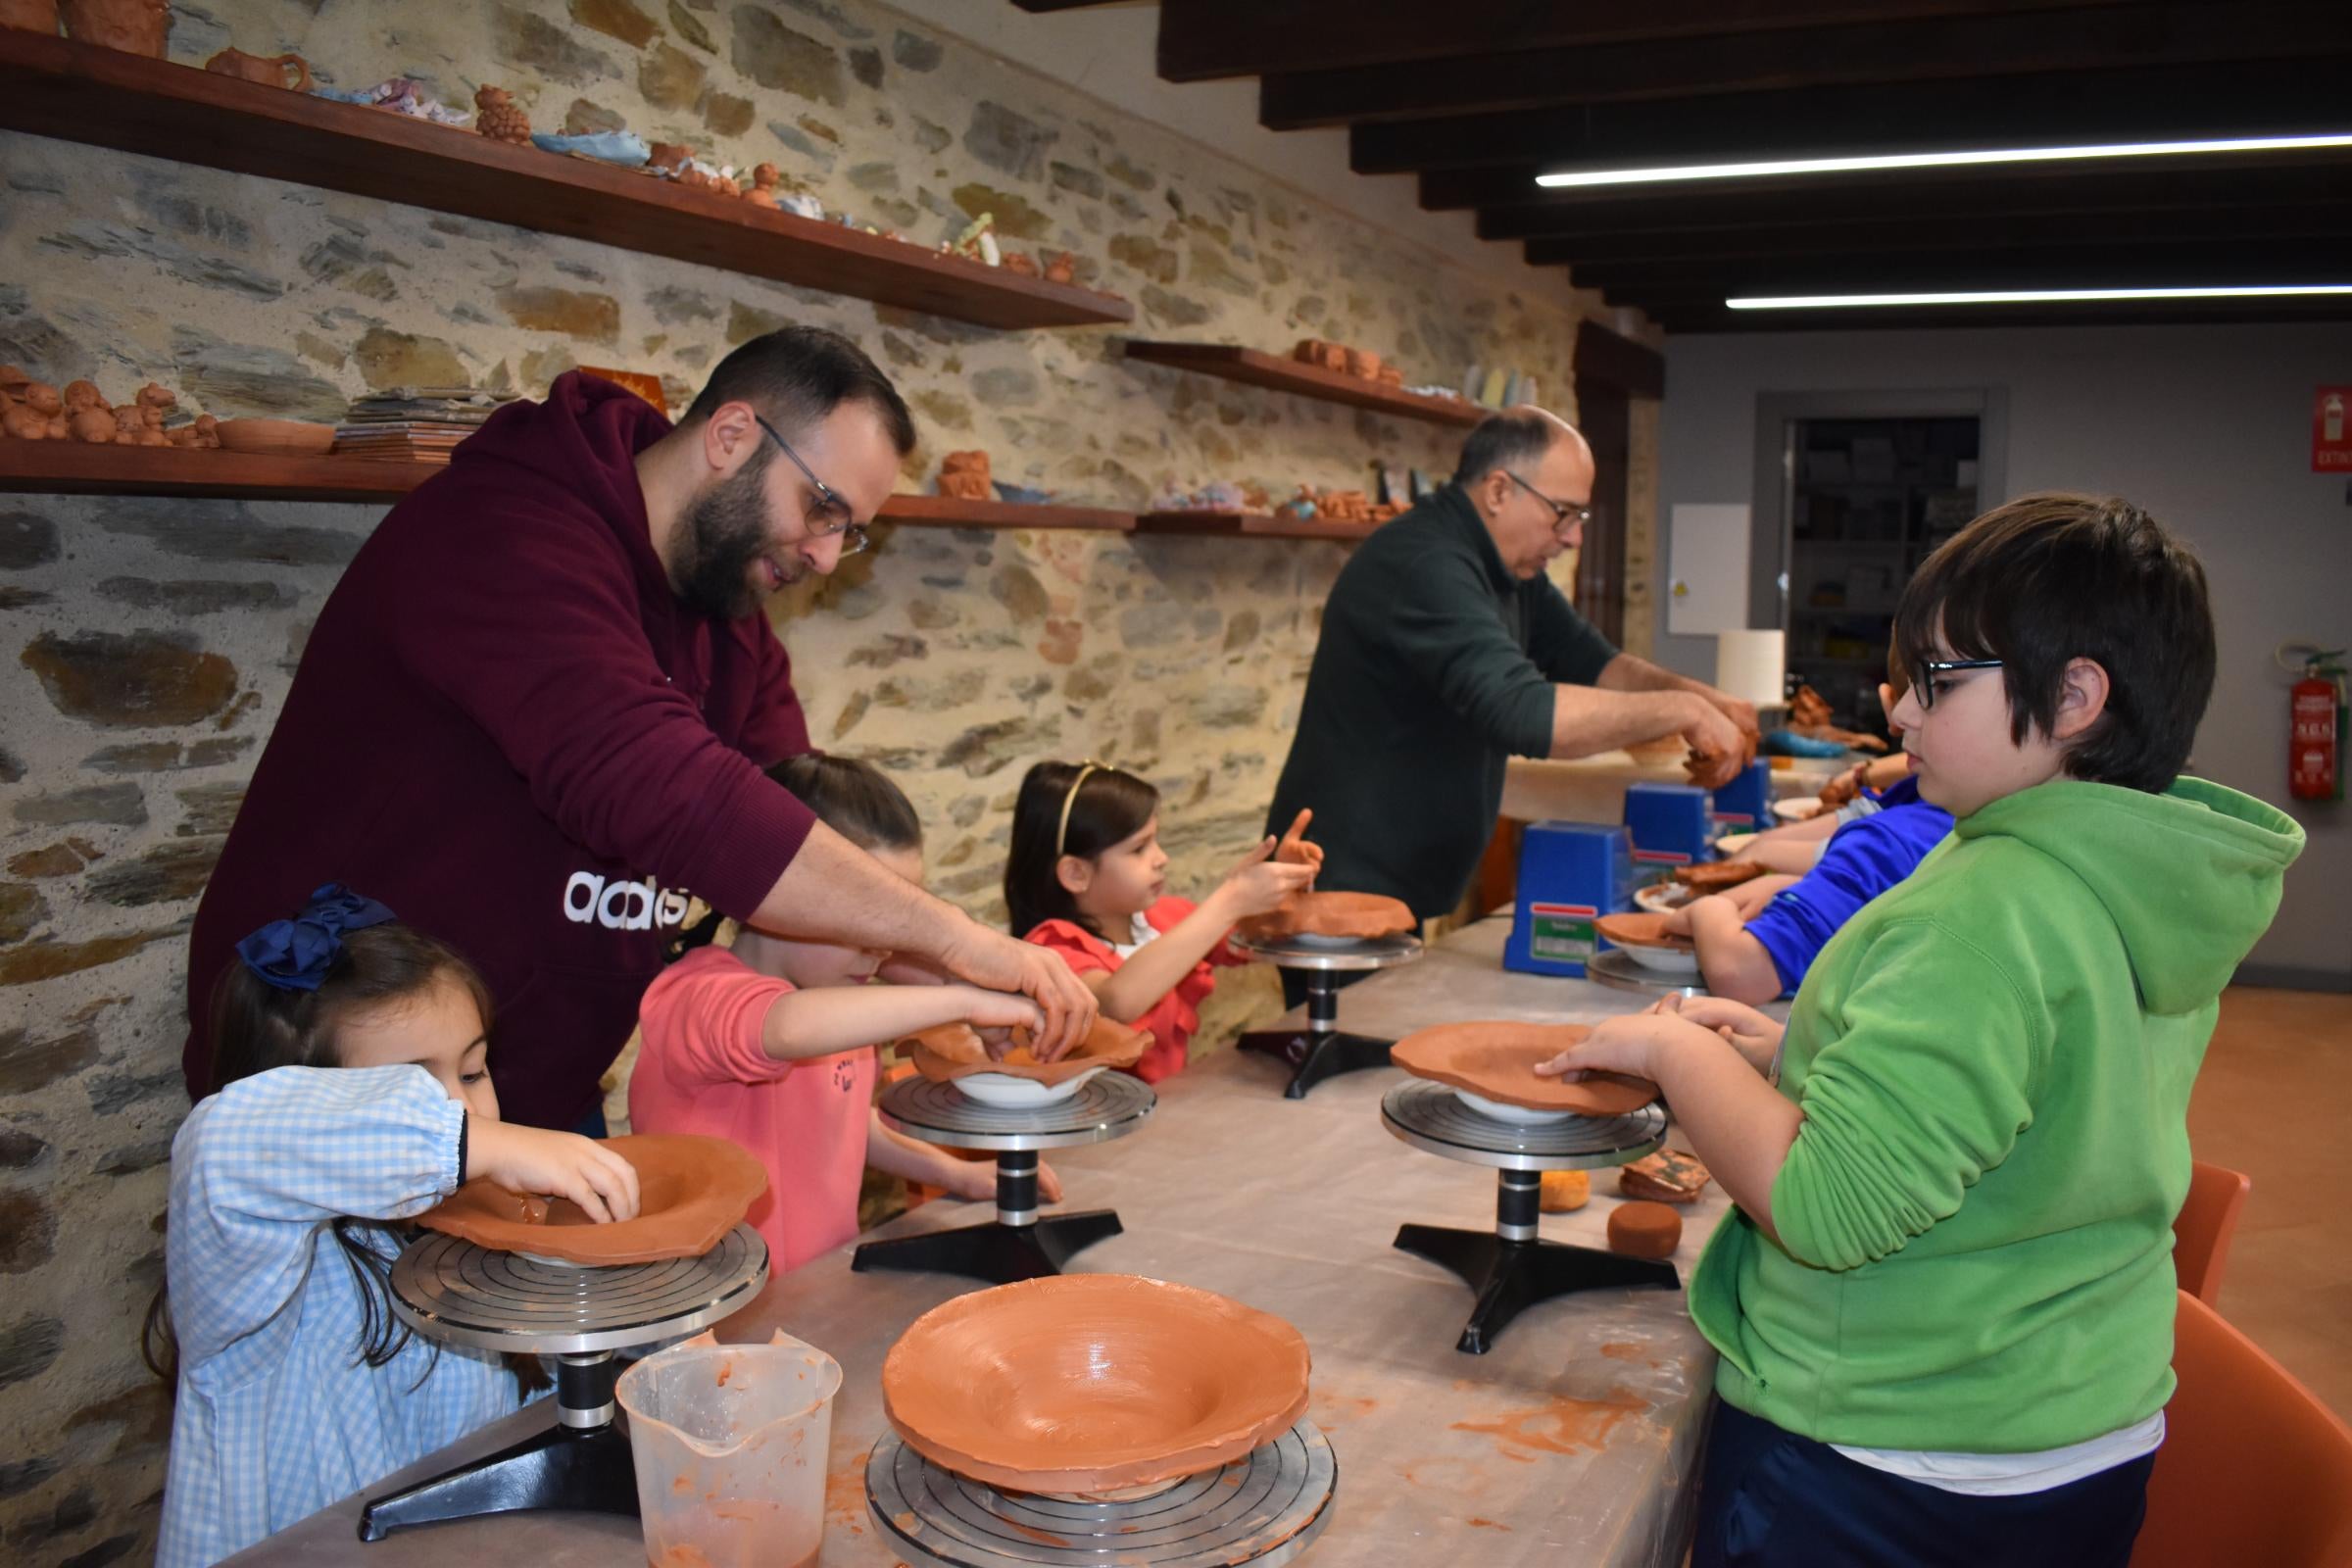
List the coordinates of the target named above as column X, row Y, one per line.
column 1110, row 806
column 255, row 1026
column 855, row 799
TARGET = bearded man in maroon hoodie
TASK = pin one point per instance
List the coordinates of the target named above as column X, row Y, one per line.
column 534, row 715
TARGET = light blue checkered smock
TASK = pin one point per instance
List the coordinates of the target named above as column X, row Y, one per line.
column 277, row 1415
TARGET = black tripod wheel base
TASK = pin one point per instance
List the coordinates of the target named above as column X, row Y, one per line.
column 1315, row 1056
column 1512, row 1276
column 995, row 1252
column 561, row 1467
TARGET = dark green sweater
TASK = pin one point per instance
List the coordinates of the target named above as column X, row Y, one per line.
column 1435, row 666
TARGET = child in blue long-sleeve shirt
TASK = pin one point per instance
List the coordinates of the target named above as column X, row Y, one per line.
column 351, row 1093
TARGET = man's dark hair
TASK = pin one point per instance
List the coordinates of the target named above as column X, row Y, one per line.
column 798, row 375
column 1505, row 441
column 2051, row 578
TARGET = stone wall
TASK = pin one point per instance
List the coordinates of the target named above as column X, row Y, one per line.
column 151, row 641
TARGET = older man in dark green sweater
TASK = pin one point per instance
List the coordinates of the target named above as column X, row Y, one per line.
column 1446, row 650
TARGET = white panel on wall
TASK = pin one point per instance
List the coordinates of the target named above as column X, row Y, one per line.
column 1706, row 569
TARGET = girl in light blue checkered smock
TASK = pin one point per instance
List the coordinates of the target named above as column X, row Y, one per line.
column 351, row 1094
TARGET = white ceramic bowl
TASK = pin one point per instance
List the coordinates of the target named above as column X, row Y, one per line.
column 1003, row 1090
column 1665, row 960
column 1731, row 844
column 1798, row 809
column 1517, row 1115
column 1661, row 898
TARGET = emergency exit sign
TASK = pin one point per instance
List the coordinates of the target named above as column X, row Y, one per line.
column 2332, row 430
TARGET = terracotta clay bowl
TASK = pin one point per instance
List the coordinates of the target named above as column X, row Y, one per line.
column 1713, row 876
column 1092, row 1384
column 1346, row 916
column 1491, row 1067
column 277, row 438
column 1644, row 940
column 691, row 1191
column 952, row 1052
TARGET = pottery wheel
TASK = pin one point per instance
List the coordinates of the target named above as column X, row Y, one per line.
column 1614, row 969
column 452, row 1291
column 1334, row 953
column 1432, row 1118
column 1107, row 1105
column 1265, row 1507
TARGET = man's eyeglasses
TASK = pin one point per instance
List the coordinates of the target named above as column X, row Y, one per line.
column 829, row 515
column 1924, row 689
column 1563, row 515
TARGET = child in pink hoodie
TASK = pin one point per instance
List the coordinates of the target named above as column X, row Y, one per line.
column 770, row 1042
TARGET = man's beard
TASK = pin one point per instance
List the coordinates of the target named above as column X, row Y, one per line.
column 723, row 531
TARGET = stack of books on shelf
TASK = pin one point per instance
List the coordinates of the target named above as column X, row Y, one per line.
column 415, row 423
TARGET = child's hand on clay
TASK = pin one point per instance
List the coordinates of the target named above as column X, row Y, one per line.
column 995, row 1014
column 1294, row 848
column 1260, row 883
column 533, row 1159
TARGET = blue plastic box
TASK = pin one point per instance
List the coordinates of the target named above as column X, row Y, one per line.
column 1570, row 875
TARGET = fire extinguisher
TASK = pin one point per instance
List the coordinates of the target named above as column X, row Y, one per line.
column 2315, row 723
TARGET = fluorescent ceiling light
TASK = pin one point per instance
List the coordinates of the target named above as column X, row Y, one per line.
column 2031, row 296
column 2014, row 155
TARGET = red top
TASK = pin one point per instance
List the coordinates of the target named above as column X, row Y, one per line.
column 701, row 1068
column 1173, row 1018
column 507, row 729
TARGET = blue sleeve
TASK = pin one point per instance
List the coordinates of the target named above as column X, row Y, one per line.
column 1862, row 861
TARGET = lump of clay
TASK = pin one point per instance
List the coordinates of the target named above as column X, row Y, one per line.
column 954, row 1051
column 763, row 185
column 964, row 475
column 1644, row 1230
column 1564, row 1191
column 1667, row 1176
column 1713, row 876
column 1641, row 930
column 499, row 117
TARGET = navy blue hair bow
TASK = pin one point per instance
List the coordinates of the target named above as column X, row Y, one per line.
column 295, row 954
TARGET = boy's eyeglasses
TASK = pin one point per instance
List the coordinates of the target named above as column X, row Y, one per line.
column 1563, row 515
column 830, row 515
column 1924, row 689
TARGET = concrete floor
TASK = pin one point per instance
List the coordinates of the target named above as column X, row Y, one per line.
column 2274, row 1100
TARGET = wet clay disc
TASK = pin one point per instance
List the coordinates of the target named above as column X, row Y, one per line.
column 1361, row 915
column 1497, row 1061
column 1641, row 931
column 953, row 1051
column 691, row 1191
column 1713, row 876
column 1091, row 1383
column 1644, row 1230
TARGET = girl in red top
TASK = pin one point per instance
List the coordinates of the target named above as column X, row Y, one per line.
column 1087, row 877
column 770, row 1042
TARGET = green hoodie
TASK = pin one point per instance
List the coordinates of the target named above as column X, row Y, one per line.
column 1994, row 1059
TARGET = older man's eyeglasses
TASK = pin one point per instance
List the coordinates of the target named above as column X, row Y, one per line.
column 1933, row 672
column 1564, row 516
column 828, row 515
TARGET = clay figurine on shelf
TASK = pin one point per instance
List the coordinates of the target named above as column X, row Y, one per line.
column 499, row 117
column 202, row 434
column 1316, row 352
column 964, row 475
column 134, row 26
column 978, row 241
column 153, row 403
column 1300, row 506
column 1021, row 263
column 37, row 414
column 763, row 185
column 270, row 70
column 29, row 16
column 87, row 416
column 1062, row 268
column 1363, row 362
column 1390, row 376
column 668, row 159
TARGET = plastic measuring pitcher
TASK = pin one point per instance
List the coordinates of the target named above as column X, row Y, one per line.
column 730, row 1448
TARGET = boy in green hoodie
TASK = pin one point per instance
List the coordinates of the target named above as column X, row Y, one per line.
column 1944, row 1304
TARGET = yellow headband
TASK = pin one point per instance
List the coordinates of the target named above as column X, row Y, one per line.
column 1061, row 834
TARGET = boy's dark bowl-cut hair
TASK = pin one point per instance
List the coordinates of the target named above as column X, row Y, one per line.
column 2049, row 578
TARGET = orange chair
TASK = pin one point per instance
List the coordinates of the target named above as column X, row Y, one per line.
column 2203, row 1229
column 2254, row 1468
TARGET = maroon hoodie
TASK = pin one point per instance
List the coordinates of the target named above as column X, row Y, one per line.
column 507, row 729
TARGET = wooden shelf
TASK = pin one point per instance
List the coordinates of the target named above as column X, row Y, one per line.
column 1256, row 369
column 1251, row 526
column 948, row 512
column 75, row 468
column 104, row 97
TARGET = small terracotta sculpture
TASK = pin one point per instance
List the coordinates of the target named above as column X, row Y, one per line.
column 1390, row 376
column 32, row 407
column 691, row 1191
column 1644, row 1230
column 134, row 26
column 151, row 405
column 499, row 117
column 1062, row 268
column 203, row 434
column 1020, row 262
column 13, row 382
column 964, row 475
column 669, row 158
column 267, row 70
column 1808, row 706
column 1667, row 1176
column 1363, row 362
column 127, row 424
column 32, row 15
column 1564, row 1191
column 763, row 185
column 87, row 417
